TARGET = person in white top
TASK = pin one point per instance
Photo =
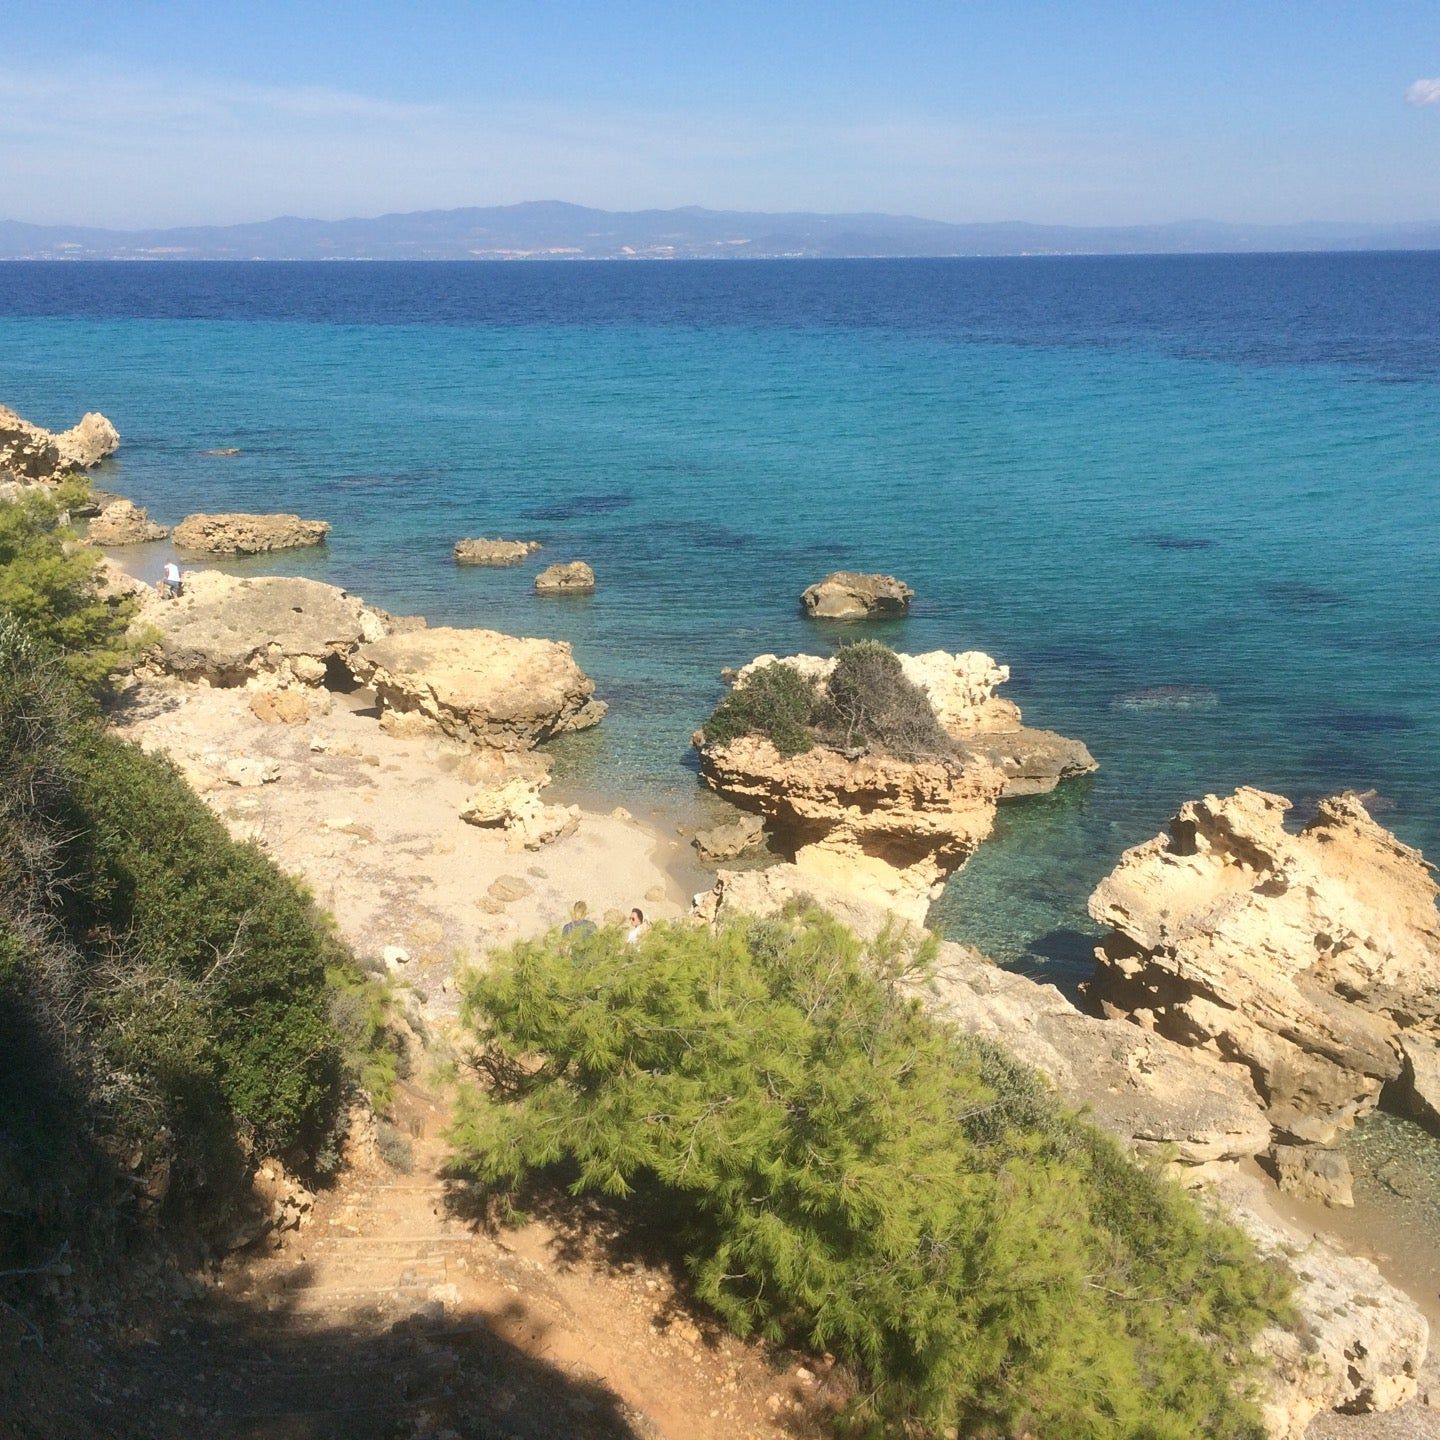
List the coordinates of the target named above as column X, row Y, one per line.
column 169, row 586
column 637, row 928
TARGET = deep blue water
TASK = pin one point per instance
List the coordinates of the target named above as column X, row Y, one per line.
column 1113, row 474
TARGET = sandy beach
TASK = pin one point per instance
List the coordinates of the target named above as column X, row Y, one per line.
column 371, row 822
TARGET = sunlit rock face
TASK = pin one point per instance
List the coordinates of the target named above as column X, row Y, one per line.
column 1311, row 959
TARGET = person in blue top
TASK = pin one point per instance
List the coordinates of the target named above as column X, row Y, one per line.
column 579, row 924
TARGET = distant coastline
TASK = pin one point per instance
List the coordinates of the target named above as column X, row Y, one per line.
column 556, row 231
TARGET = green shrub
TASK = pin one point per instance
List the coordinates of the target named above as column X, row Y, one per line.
column 47, row 583
column 849, row 1174
column 178, row 994
column 868, row 702
column 775, row 701
column 865, row 703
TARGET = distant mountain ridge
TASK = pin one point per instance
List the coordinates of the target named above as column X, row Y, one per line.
column 555, row 230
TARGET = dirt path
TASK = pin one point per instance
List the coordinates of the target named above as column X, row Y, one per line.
column 389, row 1315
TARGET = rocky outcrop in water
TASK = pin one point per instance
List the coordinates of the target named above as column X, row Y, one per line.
column 478, row 685
column 241, row 534
column 894, row 829
column 574, row 577
column 1310, row 960
column 226, row 630
column 850, row 595
column 31, row 453
column 887, row 829
column 493, row 552
column 123, row 523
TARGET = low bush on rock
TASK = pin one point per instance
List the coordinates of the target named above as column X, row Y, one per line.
column 848, row 1174
column 165, row 1012
column 866, row 702
column 777, row 702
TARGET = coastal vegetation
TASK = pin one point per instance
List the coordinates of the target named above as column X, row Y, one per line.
column 172, row 1006
column 848, row 1174
column 866, row 702
column 48, row 583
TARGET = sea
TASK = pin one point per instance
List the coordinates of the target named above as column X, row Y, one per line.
column 1192, row 502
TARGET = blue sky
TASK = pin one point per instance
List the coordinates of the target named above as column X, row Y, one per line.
column 137, row 113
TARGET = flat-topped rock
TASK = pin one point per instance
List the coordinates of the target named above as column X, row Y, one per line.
column 1032, row 761
column 30, row 452
column 851, row 595
column 123, row 523
column 574, row 577
column 243, row 534
column 227, row 630
column 478, row 685
column 493, row 552
column 1311, row 960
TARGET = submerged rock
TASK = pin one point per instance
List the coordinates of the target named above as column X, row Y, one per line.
column 1309, row 960
column 123, row 523
column 850, row 595
column 493, row 552
column 1167, row 697
column 478, row 685
column 242, row 534
column 574, row 577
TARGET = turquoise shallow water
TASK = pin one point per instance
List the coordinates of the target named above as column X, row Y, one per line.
column 1106, row 507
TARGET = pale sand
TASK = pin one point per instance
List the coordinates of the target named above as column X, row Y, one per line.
column 371, row 822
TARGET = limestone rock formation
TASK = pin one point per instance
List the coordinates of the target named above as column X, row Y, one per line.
column 84, row 446
column 726, row 842
column 1313, row 1173
column 493, row 552
column 123, row 523
column 1312, row 960
column 478, row 685
column 850, row 595
column 240, row 534
column 1361, row 1344
column 572, row 578
column 507, row 797
column 1032, row 761
column 226, row 630
column 31, row 453
column 988, row 728
column 890, row 830
column 113, row 583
